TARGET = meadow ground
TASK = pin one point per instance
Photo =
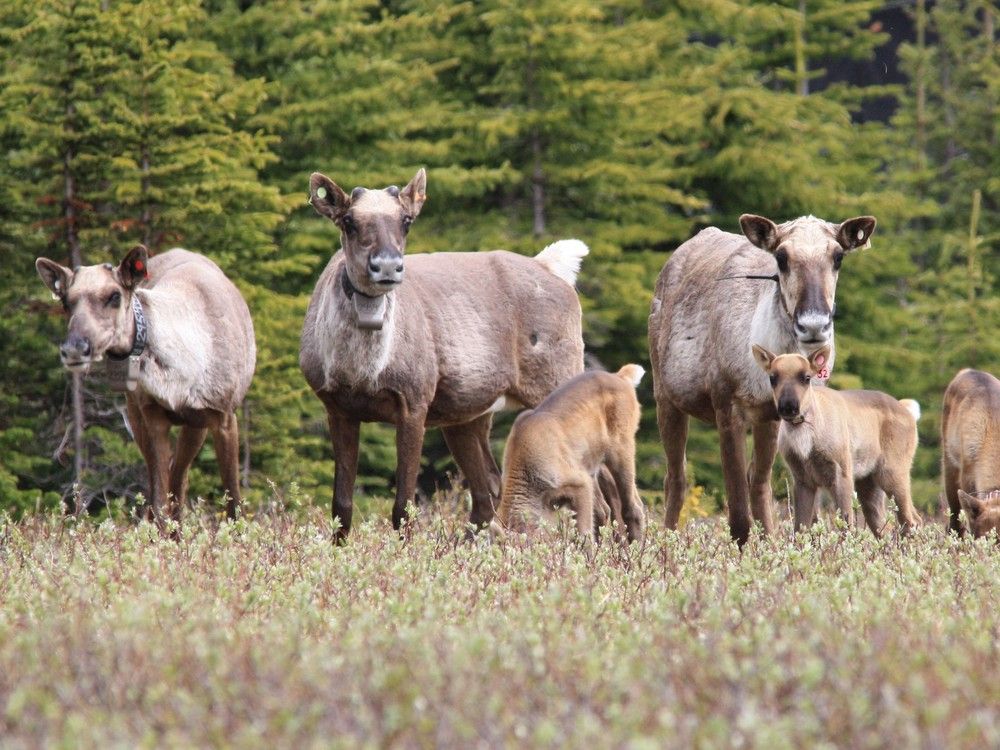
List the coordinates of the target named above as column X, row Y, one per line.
column 260, row 633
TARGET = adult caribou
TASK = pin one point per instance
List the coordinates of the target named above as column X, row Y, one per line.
column 466, row 335
column 719, row 294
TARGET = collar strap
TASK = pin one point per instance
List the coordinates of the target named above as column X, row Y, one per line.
column 349, row 289
column 141, row 330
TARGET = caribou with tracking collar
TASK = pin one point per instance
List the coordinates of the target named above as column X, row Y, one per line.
column 442, row 339
column 718, row 294
column 186, row 334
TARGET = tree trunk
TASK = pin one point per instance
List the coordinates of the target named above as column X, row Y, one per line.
column 801, row 64
column 921, row 75
column 537, row 186
column 76, row 259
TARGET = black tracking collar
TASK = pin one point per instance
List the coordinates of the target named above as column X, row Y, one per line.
column 139, row 339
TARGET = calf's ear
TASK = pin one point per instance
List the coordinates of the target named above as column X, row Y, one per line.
column 760, row 231
column 855, row 233
column 134, row 267
column 972, row 505
column 820, row 359
column 414, row 194
column 763, row 357
column 326, row 197
column 56, row 277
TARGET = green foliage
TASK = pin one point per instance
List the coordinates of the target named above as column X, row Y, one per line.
column 263, row 633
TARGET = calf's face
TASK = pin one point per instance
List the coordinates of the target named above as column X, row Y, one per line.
column 983, row 513
column 808, row 252
column 791, row 379
column 98, row 301
column 373, row 226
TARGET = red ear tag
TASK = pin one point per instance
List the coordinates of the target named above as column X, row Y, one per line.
column 823, row 374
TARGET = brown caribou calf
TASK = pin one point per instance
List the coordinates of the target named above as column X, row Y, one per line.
column 554, row 454
column 842, row 441
column 191, row 331
column 970, row 451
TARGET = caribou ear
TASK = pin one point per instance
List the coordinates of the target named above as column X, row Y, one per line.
column 55, row 276
column 763, row 356
column 760, row 231
column 327, row 197
column 820, row 359
column 855, row 233
column 413, row 195
column 134, row 267
column 972, row 505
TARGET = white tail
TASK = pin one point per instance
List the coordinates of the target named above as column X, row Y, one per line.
column 911, row 406
column 632, row 373
column 563, row 258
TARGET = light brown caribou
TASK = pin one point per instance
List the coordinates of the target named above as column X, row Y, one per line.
column 970, row 450
column 191, row 331
column 718, row 293
column 842, row 441
column 465, row 335
column 555, row 452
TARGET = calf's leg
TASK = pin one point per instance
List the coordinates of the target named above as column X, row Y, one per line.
column 673, row 424
column 950, row 477
column 872, row 500
column 622, row 466
column 805, row 505
column 896, row 484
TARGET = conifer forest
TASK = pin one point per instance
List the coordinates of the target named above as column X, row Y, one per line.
column 629, row 124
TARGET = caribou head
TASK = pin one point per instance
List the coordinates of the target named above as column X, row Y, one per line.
column 103, row 319
column 809, row 252
column 373, row 226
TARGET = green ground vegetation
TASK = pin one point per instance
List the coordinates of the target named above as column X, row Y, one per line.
column 260, row 633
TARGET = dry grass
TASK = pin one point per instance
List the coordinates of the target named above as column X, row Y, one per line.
column 260, row 633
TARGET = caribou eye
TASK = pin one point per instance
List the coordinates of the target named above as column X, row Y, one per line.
column 782, row 257
column 838, row 258
column 347, row 224
column 115, row 300
column 773, row 378
column 804, row 377
column 407, row 220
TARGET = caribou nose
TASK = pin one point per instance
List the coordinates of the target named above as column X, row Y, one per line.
column 813, row 327
column 386, row 269
column 75, row 348
column 788, row 409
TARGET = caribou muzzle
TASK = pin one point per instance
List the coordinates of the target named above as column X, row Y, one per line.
column 814, row 327
column 75, row 352
column 386, row 268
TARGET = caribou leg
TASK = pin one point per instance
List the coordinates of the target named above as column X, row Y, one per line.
column 621, row 464
column 226, row 439
column 465, row 441
column 409, row 445
column 189, row 443
column 673, row 424
column 872, row 500
column 950, row 476
column 732, row 439
column 158, row 444
column 344, row 435
column 805, row 506
column 765, row 447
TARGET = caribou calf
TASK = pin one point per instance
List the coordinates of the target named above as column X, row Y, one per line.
column 970, row 450
column 554, row 454
column 191, row 331
column 842, row 441
column 465, row 335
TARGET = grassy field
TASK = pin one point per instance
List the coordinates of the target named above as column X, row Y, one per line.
column 260, row 633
